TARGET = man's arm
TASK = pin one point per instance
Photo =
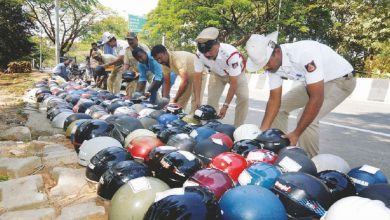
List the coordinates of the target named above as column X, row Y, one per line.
column 197, row 88
column 313, row 106
column 183, row 84
column 167, row 84
column 230, row 94
column 118, row 60
column 272, row 109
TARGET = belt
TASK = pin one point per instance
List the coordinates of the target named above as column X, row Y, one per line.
column 349, row 75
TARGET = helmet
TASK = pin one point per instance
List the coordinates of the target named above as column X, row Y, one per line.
column 173, row 108
column 94, row 109
column 260, row 48
column 191, row 120
column 124, row 125
column 339, row 184
column 126, row 110
column 246, row 131
column 272, row 140
column 295, row 149
column 156, row 114
column 190, row 127
column 100, row 70
column 72, row 98
column 221, row 137
column 59, row 120
column 71, row 130
column 357, row 208
column 157, row 128
column 226, row 129
column 261, row 155
column 260, row 174
column 52, row 113
column 202, row 133
column 330, row 162
column 128, row 76
column 157, row 154
column 138, row 133
column 205, row 112
column 103, row 160
column 116, row 104
column 132, row 200
column 177, row 166
column 294, row 162
column 177, row 123
column 244, row 146
column 251, row 202
column 302, row 195
column 138, row 107
column 83, row 106
column 166, row 118
column 106, row 37
column 73, row 117
column 379, row 191
column 91, row 147
column 230, row 163
column 147, row 122
column 214, row 180
column 119, row 174
column 182, row 142
column 141, row 146
column 162, row 102
column 165, row 134
column 212, row 123
column 206, row 150
column 90, row 129
column 192, row 202
column 145, row 112
column 366, row 175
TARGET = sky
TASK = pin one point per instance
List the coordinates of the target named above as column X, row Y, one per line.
column 134, row 7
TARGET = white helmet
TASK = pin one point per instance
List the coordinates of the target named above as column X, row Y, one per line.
column 106, row 37
column 91, row 147
column 260, row 48
column 357, row 208
column 145, row 112
column 246, row 131
column 124, row 110
column 58, row 121
column 330, row 162
column 138, row 133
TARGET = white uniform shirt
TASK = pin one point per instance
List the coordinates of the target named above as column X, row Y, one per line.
column 120, row 48
column 309, row 62
column 229, row 61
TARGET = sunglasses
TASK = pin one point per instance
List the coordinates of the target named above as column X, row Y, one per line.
column 205, row 47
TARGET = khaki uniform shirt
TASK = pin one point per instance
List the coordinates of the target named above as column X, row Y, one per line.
column 130, row 60
column 180, row 61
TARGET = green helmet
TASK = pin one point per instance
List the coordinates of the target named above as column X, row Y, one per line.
column 132, row 200
column 191, row 120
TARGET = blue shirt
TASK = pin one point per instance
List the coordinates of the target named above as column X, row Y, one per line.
column 151, row 66
column 61, row 70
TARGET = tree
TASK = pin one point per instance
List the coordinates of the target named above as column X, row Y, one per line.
column 16, row 29
column 113, row 23
column 76, row 16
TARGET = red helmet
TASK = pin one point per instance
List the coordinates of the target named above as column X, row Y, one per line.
column 221, row 137
column 261, row 155
column 85, row 95
column 215, row 180
column 140, row 147
column 230, row 163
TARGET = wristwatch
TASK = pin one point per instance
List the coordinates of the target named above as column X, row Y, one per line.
column 226, row 105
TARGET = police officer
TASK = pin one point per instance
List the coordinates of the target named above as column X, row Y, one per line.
column 114, row 81
column 182, row 64
column 326, row 77
column 129, row 62
column 225, row 65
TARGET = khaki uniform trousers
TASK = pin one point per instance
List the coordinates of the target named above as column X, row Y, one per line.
column 335, row 92
column 114, row 81
column 189, row 93
column 132, row 86
column 216, row 86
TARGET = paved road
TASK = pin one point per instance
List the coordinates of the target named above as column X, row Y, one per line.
column 357, row 131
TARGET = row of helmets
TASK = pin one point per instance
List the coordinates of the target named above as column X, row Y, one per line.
column 177, row 165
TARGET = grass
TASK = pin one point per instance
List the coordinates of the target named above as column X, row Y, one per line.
column 4, row 178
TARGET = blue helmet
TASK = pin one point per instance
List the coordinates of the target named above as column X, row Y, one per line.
column 250, row 203
column 260, row 174
column 202, row 133
column 339, row 184
column 165, row 119
column 366, row 175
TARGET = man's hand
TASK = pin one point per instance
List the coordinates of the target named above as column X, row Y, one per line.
column 147, row 94
column 222, row 112
column 293, row 137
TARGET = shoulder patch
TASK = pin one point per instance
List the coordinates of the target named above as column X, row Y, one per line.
column 311, row 67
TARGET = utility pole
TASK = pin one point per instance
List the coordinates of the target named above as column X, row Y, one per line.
column 40, row 52
column 163, row 39
column 280, row 5
column 57, row 30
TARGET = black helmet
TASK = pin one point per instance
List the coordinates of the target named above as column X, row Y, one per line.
column 182, row 142
column 72, row 98
column 192, row 203
column 379, row 191
column 173, row 108
column 157, row 128
column 85, row 105
column 294, row 149
column 100, row 71
column 128, row 76
column 94, row 108
column 155, row 156
column 242, row 147
column 90, row 129
column 74, row 117
column 272, row 140
column 119, row 174
column 339, row 184
column 205, row 112
column 294, row 162
column 226, row 129
column 124, row 125
column 56, row 111
column 302, row 195
column 42, row 97
column 116, row 104
column 165, row 134
column 176, row 167
column 206, row 150
column 105, row 159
